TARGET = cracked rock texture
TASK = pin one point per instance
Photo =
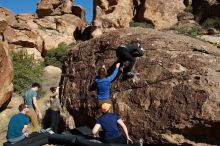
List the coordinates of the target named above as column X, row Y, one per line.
column 110, row 15
column 175, row 90
column 54, row 7
column 162, row 14
column 6, row 86
column 114, row 14
column 39, row 33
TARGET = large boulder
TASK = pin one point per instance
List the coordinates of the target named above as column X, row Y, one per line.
column 80, row 12
column 162, row 14
column 54, row 7
column 6, row 77
column 175, row 90
column 110, row 15
column 23, row 38
column 3, row 24
column 8, row 15
column 57, row 29
column 51, row 77
column 39, row 34
column 6, row 18
column 58, row 21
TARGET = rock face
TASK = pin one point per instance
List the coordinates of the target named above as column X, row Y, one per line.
column 6, row 77
column 52, row 76
column 175, row 90
column 110, row 15
column 186, row 19
column 206, row 8
column 54, row 7
column 37, row 35
column 162, row 14
column 79, row 11
column 57, row 29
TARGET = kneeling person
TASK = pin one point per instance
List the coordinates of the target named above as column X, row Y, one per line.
column 18, row 124
column 109, row 123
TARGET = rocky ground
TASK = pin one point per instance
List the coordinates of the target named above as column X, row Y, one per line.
column 51, row 77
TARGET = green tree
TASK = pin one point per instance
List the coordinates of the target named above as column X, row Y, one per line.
column 26, row 71
column 57, row 55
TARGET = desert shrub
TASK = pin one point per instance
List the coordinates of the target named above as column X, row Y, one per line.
column 190, row 30
column 211, row 23
column 56, row 56
column 189, row 9
column 140, row 24
column 26, row 71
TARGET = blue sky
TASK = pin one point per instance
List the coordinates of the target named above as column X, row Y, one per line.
column 29, row 6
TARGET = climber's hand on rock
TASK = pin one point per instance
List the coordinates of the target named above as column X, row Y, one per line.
column 129, row 141
column 117, row 65
column 103, row 66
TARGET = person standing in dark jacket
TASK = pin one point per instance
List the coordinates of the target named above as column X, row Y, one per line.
column 129, row 52
column 55, row 108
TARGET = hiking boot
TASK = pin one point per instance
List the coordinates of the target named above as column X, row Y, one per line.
column 130, row 75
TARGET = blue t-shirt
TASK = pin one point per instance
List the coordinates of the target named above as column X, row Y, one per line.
column 16, row 124
column 103, row 85
column 28, row 97
column 109, row 124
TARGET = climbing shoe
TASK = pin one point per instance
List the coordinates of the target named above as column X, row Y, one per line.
column 130, row 75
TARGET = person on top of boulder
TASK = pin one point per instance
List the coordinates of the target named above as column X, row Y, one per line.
column 129, row 52
column 109, row 123
column 103, row 83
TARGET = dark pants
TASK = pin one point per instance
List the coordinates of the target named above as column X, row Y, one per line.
column 34, row 139
column 54, row 120
column 119, row 139
column 123, row 55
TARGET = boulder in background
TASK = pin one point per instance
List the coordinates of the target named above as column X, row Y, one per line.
column 6, row 71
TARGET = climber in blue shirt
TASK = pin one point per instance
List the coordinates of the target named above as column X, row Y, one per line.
column 103, row 82
column 18, row 124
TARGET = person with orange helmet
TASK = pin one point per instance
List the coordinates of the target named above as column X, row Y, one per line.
column 109, row 123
